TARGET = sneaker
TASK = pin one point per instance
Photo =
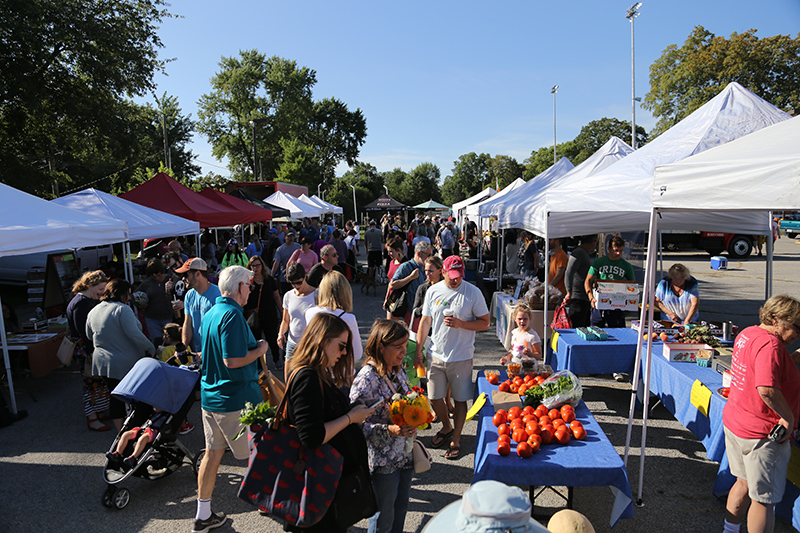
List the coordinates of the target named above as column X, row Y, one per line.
column 620, row 377
column 186, row 428
column 114, row 457
column 213, row 521
column 130, row 462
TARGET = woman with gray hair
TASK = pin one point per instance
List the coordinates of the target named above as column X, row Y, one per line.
column 408, row 277
column 677, row 295
column 761, row 414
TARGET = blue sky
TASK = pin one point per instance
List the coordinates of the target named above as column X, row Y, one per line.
column 436, row 80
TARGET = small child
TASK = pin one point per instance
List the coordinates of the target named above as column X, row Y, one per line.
column 524, row 340
column 173, row 352
column 144, row 435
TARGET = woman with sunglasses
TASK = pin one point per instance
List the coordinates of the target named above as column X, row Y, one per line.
column 322, row 413
column 295, row 304
column 262, row 307
column 396, row 256
column 390, row 461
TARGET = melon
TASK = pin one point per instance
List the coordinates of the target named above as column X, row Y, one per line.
column 569, row 521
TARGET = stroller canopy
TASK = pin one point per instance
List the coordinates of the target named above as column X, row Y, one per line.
column 158, row 384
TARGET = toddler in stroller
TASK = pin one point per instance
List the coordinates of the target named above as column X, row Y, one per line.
column 161, row 396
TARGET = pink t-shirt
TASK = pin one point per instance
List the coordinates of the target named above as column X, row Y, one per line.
column 759, row 360
column 308, row 260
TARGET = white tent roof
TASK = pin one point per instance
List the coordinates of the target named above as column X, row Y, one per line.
column 758, row 171
column 459, row 207
column 313, row 201
column 619, row 198
column 143, row 222
column 335, row 209
column 525, row 207
column 29, row 224
column 483, row 209
column 297, row 207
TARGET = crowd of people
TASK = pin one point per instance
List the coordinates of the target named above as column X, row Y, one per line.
column 290, row 296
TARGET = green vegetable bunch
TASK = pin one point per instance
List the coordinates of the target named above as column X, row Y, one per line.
column 262, row 413
column 699, row 335
column 537, row 394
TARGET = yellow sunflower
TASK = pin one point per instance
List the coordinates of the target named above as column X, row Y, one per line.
column 396, row 412
column 414, row 415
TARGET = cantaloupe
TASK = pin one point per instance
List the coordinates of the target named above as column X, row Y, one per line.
column 569, row 521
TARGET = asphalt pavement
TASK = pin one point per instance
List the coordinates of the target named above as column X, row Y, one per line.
column 51, row 464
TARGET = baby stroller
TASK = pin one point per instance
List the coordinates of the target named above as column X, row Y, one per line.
column 151, row 385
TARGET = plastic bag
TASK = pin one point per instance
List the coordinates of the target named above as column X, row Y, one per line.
column 552, row 395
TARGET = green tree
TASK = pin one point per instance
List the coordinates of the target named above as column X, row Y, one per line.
column 65, row 71
column 542, row 159
column 297, row 139
column 421, row 185
column 686, row 77
column 365, row 178
column 394, row 180
column 596, row 133
column 470, row 176
column 504, row 169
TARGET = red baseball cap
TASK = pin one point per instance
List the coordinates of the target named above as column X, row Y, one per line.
column 454, row 267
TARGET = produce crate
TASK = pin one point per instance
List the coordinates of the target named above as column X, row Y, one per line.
column 586, row 334
column 668, row 327
column 599, row 333
column 623, row 295
column 685, row 353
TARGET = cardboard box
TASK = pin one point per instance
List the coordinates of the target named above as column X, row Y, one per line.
column 668, row 327
column 719, row 263
column 686, row 353
column 623, row 295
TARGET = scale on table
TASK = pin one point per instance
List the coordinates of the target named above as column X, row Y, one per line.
column 722, row 359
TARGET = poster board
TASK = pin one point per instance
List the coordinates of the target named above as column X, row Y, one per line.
column 62, row 272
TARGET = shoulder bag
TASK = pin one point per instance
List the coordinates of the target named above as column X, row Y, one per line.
column 397, row 303
column 283, row 479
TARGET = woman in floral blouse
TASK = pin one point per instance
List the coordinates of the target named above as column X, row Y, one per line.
column 389, row 458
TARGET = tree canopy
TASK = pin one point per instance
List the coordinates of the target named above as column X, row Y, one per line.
column 686, row 77
column 297, row 139
column 65, row 73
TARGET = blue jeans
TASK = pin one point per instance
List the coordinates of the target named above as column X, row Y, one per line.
column 289, row 349
column 392, row 492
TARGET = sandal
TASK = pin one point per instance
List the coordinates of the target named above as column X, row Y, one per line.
column 443, row 437
column 453, row 453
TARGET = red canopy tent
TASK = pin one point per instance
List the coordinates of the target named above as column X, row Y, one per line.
column 253, row 213
column 165, row 194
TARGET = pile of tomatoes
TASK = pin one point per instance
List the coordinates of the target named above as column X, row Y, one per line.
column 518, row 385
column 532, row 428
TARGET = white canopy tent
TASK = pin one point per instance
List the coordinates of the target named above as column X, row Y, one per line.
column 459, row 207
column 524, row 208
column 29, row 224
column 326, row 209
column 335, row 209
column 619, row 199
column 483, row 208
column 143, row 222
column 297, row 207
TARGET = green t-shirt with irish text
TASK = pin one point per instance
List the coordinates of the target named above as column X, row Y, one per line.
column 605, row 269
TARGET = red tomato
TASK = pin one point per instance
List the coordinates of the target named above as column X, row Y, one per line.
column 516, row 410
column 519, row 435
column 498, row 419
column 532, row 428
column 528, row 410
column 568, row 416
column 494, row 379
column 523, row 450
column 547, row 435
column 541, row 411
column 505, row 413
column 554, row 413
column 528, row 378
column 503, row 429
column 575, row 424
column 544, row 375
column 535, row 442
column 562, row 436
column 566, row 407
column 517, row 423
column 504, row 438
column 503, row 448
column 518, row 381
column 579, row 433
column 514, row 388
column 521, row 390
column 503, row 387
column 545, row 420
column 558, row 423
column 538, row 380
column 528, row 418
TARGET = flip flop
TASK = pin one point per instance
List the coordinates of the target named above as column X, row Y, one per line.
column 453, row 453
column 443, row 437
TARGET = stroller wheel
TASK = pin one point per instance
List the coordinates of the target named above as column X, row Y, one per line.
column 121, row 498
column 197, row 459
column 108, row 497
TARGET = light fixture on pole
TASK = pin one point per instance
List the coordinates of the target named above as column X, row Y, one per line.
column 385, row 188
column 255, row 157
column 631, row 14
column 554, row 90
column 355, row 209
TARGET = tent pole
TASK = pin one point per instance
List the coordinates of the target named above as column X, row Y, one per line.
column 7, row 361
column 635, row 381
column 500, row 252
column 646, row 409
column 770, row 253
column 546, row 280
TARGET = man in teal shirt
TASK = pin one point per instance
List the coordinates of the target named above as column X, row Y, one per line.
column 229, row 378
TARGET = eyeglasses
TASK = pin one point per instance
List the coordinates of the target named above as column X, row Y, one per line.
column 343, row 347
column 298, row 282
column 248, row 285
column 796, row 327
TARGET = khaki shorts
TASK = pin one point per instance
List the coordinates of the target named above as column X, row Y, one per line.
column 457, row 374
column 219, row 430
column 761, row 463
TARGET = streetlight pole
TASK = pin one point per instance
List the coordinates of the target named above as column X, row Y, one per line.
column 631, row 14
column 355, row 209
column 255, row 157
column 554, row 90
column 385, row 188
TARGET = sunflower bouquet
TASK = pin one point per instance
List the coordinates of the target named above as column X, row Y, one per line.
column 411, row 409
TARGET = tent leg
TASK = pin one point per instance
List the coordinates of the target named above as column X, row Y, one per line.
column 500, row 267
column 770, row 253
column 7, row 361
column 546, row 281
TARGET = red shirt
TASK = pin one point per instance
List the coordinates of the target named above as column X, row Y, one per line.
column 759, row 360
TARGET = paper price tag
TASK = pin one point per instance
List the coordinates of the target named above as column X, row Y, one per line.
column 554, row 341
column 700, row 397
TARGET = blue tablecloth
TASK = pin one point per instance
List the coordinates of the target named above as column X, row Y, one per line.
column 617, row 354
column 592, row 462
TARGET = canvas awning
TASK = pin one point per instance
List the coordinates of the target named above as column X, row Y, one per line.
column 384, row 203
